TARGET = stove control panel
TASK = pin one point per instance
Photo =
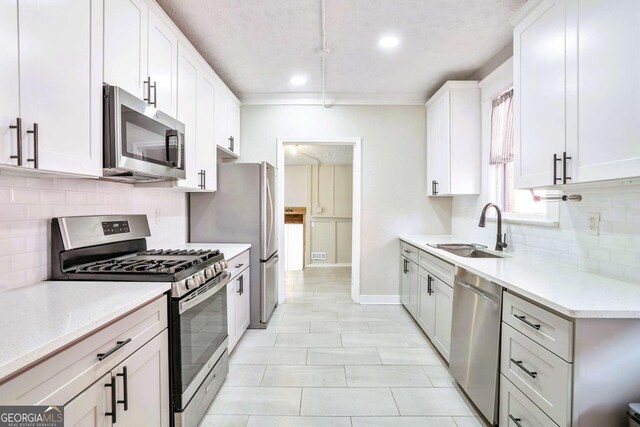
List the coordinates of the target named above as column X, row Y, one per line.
column 115, row 227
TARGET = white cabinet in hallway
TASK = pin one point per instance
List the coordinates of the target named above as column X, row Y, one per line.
column 454, row 139
column 576, row 98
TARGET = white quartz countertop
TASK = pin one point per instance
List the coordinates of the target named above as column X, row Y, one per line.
column 572, row 292
column 39, row 319
column 230, row 250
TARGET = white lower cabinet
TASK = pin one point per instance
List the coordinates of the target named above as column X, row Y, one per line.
column 517, row 410
column 128, row 360
column 444, row 313
column 89, row 407
column 427, row 312
column 238, row 298
column 427, row 296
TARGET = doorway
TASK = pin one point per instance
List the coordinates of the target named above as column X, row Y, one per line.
column 319, row 209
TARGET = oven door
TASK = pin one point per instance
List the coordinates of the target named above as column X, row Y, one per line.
column 199, row 330
column 142, row 139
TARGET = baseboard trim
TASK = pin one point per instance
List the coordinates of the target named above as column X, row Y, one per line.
column 326, row 265
column 380, row 299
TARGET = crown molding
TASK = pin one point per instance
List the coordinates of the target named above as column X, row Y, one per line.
column 335, row 98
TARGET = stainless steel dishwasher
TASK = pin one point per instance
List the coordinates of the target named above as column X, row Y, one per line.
column 475, row 340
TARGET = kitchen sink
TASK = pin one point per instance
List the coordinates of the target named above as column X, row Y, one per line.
column 467, row 250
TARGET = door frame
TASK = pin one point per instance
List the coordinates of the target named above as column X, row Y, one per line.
column 356, row 143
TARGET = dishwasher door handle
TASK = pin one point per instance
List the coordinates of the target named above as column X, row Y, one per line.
column 478, row 292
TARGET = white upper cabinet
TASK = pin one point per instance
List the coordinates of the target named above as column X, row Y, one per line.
column 227, row 124
column 454, row 140
column 604, row 93
column 9, row 82
column 61, row 85
column 539, row 82
column 576, row 91
column 205, row 144
column 125, row 45
column 187, row 113
column 162, row 58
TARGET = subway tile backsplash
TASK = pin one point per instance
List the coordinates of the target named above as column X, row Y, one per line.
column 27, row 205
column 615, row 252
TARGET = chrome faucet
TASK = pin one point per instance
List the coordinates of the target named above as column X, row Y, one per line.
column 501, row 239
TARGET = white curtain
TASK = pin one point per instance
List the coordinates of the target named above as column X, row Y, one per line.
column 501, row 151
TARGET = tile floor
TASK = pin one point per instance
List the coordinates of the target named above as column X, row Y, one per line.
column 325, row 361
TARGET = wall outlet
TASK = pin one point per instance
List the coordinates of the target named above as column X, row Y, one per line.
column 593, row 223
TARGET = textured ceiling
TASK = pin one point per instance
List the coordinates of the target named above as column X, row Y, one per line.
column 323, row 154
column 255, row 46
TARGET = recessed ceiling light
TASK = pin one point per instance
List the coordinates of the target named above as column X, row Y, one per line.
column 298, row 80
column 389, row 42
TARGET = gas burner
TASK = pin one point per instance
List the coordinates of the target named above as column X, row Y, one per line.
column 193, row 252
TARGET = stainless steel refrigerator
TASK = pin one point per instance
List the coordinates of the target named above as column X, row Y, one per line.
column 242, row 210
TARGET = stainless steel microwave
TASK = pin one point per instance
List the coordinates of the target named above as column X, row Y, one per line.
column 141, row 143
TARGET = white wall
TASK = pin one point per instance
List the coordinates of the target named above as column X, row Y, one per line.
column 394, row 188
column 614, row 253
column 28, row 204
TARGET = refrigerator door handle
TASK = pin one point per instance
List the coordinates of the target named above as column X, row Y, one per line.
column 271, row 215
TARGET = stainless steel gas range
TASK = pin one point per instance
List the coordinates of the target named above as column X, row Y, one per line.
column 114, row 248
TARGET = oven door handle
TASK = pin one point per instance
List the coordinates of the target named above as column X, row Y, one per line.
column 192, row 302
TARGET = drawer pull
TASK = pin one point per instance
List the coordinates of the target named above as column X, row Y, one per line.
column 524, row 320
column 118, row 346
column 407, row 251
column 515, row 420
column 519, row 364
column 240, row 265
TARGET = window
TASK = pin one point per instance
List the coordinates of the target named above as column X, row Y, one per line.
column 516, row 204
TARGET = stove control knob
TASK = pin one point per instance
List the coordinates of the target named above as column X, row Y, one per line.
column 191, row 283
column 208, row 272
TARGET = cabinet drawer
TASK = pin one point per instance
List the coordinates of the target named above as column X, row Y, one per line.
column 409, row 251
column 57, row 380
column 547, row 329
column 541, row 375
column 238, row 263
column 438, row 267
column 516, row 407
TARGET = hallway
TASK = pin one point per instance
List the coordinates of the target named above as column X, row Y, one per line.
column 325, row 361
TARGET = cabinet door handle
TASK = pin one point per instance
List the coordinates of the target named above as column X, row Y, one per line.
column 435, row 191
column 232, row 141
column 146, row 86
column 18, row 128
column 564, row 167
column 404, row 268
column 114, row 408
column 519, row 364
column 555, row 169
column 524, row 320
column 240, row 290
column 204, row 179
column 429, row 282
column 155, row 93
column 35, row 145
column 125, row 388
column 118, row 346
column 515, row 420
